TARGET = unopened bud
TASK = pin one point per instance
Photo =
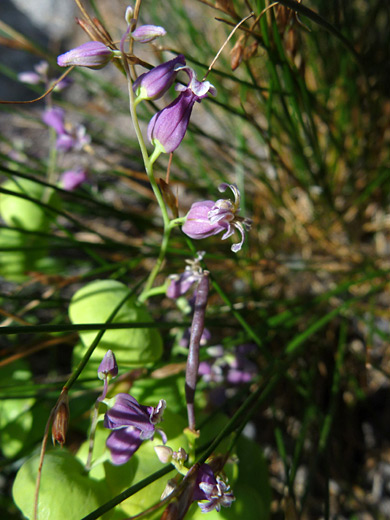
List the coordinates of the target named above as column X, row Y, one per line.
column 108, row 367
column 129, row 15
column 61, row 419
column 164, row 453
column 147, row 33
column 94, row 55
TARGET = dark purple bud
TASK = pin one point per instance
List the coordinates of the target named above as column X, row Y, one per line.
column 70, row 181
column 108, row 367
column 147, row 33
column 167, row 128
column 154, row 84
column 94, row 55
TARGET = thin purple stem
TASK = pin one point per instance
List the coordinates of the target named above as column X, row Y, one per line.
column 193, row 350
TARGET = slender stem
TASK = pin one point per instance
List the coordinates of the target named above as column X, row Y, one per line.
column 147, row 162
column 149, row 283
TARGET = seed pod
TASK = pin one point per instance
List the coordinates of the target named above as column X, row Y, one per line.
column 61, row 419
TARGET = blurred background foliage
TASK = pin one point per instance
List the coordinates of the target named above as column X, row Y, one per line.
column 301, row 125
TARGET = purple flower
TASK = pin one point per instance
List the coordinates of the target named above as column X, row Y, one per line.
column 208, row 218
column 72, row 179
column 214, row 490
column 94, row 55
column 131, row 423
column 154, row 84
column 39, row 75
column 54, row 117
column 167, row 128
column 147, row 33
column 75, row 139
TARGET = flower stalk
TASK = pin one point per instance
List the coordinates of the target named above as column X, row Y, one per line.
column 193, row 351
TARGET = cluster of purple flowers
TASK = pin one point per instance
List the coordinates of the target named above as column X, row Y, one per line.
column 68, row 139
column 167, row 128
column 40, row 74
column 131, row 423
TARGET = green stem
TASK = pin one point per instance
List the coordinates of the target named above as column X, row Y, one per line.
column 147, row 162
column 164, row 246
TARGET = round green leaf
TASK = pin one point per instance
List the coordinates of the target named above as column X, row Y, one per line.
column 94, row 303
column 15, row 264
column 22, row 213
column 65, row 492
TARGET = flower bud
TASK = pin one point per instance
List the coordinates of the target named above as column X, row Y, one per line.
column 129, row 14
column 154, row 84
column 108, row 366
column 167, row 128
column 147, row 33
column 94, row 55
column 32, row 78
column 164, row 453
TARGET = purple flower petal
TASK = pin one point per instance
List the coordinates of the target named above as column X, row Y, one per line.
column 154, row 84
column 123, row 444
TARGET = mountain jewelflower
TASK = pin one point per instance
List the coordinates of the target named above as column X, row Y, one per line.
column 208, row 218
column 213, row 489
column 154, row 84
column 93, row 55
column 131, row 423
column 167, row 128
